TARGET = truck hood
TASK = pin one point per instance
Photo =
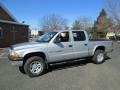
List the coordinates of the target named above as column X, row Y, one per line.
column 27, row 45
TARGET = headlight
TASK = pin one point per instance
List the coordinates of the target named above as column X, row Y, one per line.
column 14, row 55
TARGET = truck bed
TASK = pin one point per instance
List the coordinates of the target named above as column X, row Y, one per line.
column 99, row 40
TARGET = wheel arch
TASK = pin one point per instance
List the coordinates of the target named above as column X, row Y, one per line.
column 41, row 54
column 100, row 47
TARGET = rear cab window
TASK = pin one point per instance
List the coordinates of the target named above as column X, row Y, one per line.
column 78, row 36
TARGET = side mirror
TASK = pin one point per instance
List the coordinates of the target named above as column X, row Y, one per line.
column 57, row 40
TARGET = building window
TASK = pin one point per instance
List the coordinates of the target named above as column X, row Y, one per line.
column 1, row 32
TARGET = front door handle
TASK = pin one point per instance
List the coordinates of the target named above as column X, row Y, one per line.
column 70, row 45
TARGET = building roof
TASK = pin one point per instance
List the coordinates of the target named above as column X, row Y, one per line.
column 11, row 16
column 11, row 22
column 6, row 10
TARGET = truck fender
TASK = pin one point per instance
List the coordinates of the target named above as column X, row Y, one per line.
column 28, row 52
column 94, row 49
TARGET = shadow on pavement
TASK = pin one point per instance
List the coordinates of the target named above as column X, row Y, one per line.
column 71, row 64
column 107, row 58
column 66, row 65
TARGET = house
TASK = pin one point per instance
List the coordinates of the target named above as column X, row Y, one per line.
column 34, row 32
column 111, row 35
column 11, row 31
column 40, row 33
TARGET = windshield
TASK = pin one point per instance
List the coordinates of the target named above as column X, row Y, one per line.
column 46, row 37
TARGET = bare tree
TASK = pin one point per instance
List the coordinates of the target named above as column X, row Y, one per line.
column 76, row 25
column 85, row 22
column 82, row 23
column 113, row 8
column 53, row 22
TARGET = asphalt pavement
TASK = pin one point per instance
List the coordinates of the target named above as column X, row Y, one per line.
column 78, row 75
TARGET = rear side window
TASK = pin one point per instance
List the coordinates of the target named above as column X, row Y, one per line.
column 78, row 36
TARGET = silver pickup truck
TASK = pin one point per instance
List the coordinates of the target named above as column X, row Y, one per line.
column 58, row 46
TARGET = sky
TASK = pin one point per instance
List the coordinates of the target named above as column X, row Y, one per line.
column 32, row 11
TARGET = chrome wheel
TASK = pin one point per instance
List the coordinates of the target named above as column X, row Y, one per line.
column 35, row 67
column 100, row 57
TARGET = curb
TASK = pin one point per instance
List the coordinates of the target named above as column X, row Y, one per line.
column 1, row 48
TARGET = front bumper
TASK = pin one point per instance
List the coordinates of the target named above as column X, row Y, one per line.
column 17, row 62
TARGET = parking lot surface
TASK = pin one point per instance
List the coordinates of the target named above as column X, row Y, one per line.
column 77, row 75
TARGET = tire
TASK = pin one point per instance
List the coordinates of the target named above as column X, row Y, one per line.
column 35, row 66
column 21, row 69
column 99, row 57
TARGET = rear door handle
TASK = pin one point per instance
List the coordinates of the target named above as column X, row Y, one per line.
column 70, row 45
column 85, row 44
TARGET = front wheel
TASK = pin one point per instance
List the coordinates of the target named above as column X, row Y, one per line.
column 35, row 66
column 99, row 57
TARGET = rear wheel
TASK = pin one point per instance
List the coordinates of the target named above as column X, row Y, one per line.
column 35, row 66
column 99, row 57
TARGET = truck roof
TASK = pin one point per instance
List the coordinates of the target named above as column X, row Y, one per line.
column 66, row 30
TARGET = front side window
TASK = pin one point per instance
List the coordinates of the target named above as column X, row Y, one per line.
column 63, row 37
column 78, row 36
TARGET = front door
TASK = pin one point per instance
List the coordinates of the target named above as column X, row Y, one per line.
column 61, row 48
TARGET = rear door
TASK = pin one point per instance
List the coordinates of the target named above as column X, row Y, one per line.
column 80, row 44
column 62, row 50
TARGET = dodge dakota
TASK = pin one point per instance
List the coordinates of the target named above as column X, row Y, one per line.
column 58, row 46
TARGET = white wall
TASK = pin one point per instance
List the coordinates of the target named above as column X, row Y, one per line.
column 110, row 34
column 34, row 32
